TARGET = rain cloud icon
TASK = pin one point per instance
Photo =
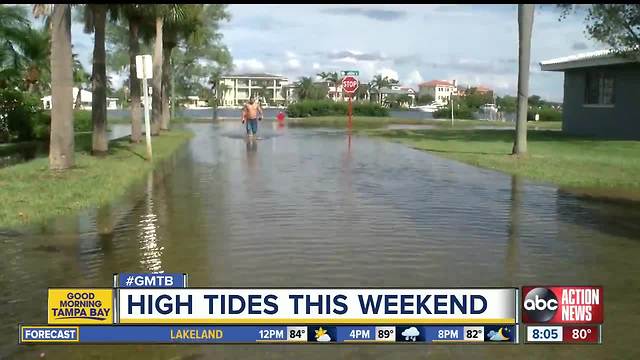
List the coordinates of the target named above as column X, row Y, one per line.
column 411, row 333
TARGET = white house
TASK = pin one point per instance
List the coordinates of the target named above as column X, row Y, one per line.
column 86, row 98
column 240, row 87
column 395, row 90
column 194, row 102
column 441, row 90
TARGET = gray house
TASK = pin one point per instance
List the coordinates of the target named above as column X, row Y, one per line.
column 601, row 94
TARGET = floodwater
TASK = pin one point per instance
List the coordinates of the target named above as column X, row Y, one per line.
column 269, row 113
column 318, row 208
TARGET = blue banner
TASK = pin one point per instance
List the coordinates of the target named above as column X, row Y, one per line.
column 193, row 334
column 150, row 281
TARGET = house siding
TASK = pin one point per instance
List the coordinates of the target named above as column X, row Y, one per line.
column 622, row 121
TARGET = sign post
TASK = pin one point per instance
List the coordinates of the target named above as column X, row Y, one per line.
column 144, row 71
column 350, row 85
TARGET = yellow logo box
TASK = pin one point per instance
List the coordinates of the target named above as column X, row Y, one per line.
column 81, row 306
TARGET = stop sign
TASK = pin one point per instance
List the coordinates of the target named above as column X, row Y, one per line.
column 349, row 84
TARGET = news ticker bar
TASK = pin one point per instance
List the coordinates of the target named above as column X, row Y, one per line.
column 567, row 334
column 228, row 334
column 281, row 306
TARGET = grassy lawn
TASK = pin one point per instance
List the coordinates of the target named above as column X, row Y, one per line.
column 371, row 122
column 579, row 163
column 30, row 192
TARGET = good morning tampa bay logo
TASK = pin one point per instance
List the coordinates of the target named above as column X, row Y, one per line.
column 540, row 304
column 80, row 306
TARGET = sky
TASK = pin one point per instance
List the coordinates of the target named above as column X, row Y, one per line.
column 472, row 43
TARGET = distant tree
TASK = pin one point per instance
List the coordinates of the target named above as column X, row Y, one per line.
column 306, row 89
column 617, row 25
column 475, row 99
column 535, row 100
column 362, row 92
column 378, row 82
column 507, row 103
column 330, row 77
column 425, row 99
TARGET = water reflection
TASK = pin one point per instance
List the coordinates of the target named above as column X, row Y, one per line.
column 151, row 252
column 513, row 231
column 366, row 212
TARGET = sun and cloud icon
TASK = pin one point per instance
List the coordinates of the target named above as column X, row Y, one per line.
column 498, row 335
column 322, row 335
column 411, row 333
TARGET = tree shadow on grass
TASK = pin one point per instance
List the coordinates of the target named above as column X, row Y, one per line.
column 463, row 152
column 123, row 146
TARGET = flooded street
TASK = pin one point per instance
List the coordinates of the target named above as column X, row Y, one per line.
column 315, row 208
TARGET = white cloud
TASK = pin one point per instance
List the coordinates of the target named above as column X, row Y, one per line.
column 316, row 66
column 290, row 54
column 414, row 78
column 392, row 74
column 293, row 64
column 248, row 65
column 347, row 59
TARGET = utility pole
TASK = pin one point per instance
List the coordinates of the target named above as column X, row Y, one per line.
column 451, row 101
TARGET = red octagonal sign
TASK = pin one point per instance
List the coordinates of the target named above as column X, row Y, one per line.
column 349, row 84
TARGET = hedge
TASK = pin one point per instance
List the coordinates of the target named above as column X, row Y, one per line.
column 308, row 108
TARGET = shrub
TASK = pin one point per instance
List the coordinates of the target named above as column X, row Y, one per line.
column 546, row 114
column 19, row 112
column 308, row 108
column 82, row 120
column 461, row 112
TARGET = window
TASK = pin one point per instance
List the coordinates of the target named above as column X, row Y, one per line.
column 599, row 89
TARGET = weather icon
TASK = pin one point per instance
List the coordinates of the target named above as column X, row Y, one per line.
column 322, row 336
column 411, row 333
column 498, row 335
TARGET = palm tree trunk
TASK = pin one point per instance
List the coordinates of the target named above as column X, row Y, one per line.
column 166, row 69
column 99, row 84
column 61, row 146
column 78, row 103
column 134, row 83
column 525, row 25
column 156, row 82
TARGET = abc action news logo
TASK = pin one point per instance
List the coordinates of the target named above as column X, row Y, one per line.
column 562, row 305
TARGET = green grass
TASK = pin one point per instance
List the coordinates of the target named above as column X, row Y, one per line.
column 370, row 122
column 592, row 165
column 30, row 192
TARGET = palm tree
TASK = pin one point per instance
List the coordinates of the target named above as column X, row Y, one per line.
column 218, row 90
column 333, row 79
column 160, row 12
column 177, row 28
column 61, row 147
column 24, row 51
column 80, row 78
column 36, row 52
column 305, row 88
column 525, row 25
column 95, row 20
column 14, row 34
column 134, row 16
column 362, row 92
column 378, row 83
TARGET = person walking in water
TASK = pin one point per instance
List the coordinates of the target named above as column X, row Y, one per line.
column 251, row 113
